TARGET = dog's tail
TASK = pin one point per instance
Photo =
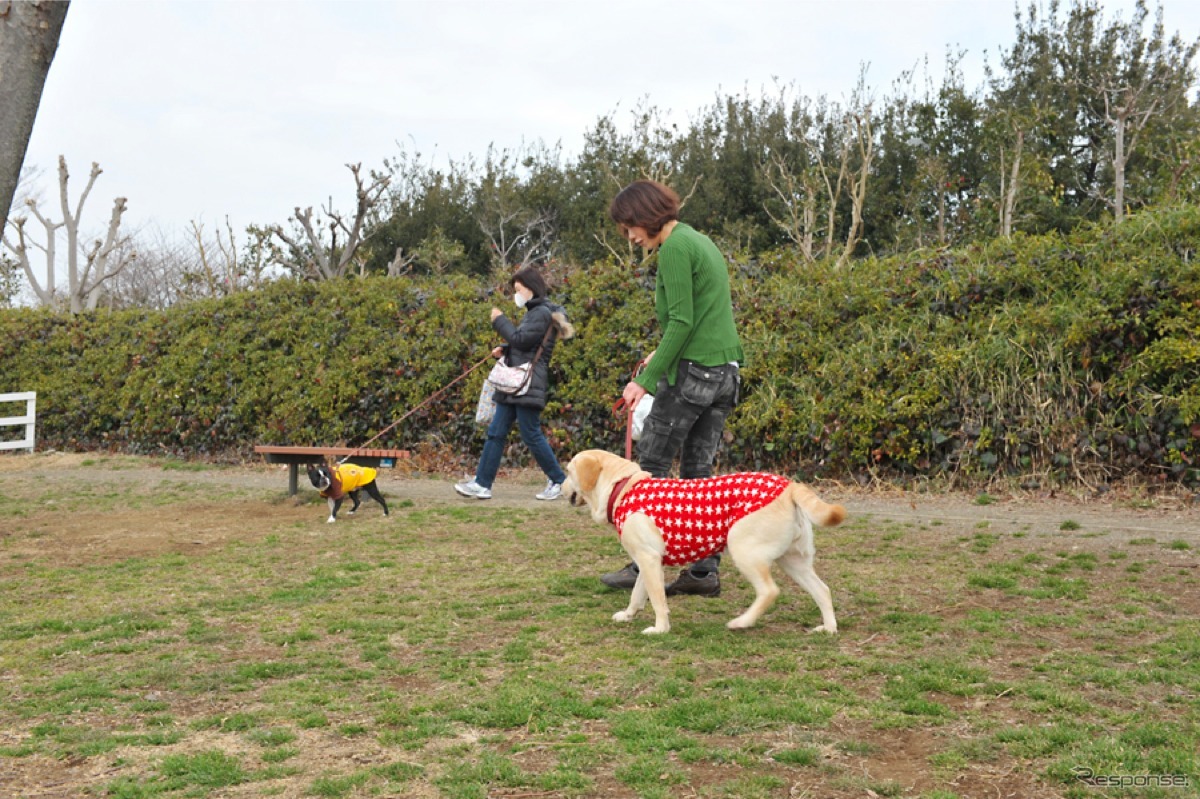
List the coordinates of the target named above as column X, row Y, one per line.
column 818, row 511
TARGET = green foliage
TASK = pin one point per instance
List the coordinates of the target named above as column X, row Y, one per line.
column 1065, row 81
column 1062, row 356
column 1051, row 355
column 9, row 281
column 295, row 363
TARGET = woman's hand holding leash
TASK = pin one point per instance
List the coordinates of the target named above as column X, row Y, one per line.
column 629, row 400
column 498, row 351
column 633, row 394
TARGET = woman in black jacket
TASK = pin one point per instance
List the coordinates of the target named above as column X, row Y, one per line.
column 543, row 321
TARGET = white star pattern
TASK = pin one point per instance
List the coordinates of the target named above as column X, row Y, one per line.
column 709, row 506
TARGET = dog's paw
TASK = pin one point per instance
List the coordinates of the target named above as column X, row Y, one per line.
column 622, row 616
column 740, row 623
column 330, row 520
column 656, row 630
column 821, row 628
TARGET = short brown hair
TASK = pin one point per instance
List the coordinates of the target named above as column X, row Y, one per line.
column 532, row 279
column 646, row 204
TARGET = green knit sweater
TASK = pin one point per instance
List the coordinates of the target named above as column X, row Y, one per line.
column 693, row 305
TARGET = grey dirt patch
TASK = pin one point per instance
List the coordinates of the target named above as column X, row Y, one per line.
column 125, row 488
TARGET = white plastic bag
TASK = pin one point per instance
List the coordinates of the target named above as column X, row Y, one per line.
column 486, row 409
column 639, row 415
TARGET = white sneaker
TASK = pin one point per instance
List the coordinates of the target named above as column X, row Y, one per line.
column 552, row 490
column 470, row 488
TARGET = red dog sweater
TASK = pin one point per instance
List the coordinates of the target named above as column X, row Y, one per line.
column 695, row 515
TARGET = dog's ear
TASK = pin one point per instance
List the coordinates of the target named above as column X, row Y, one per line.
column 587, row 471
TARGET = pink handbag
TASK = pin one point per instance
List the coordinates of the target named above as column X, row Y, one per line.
column 515, row 380
column 511, row 380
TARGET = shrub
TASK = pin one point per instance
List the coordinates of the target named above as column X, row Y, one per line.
column 1070, row 357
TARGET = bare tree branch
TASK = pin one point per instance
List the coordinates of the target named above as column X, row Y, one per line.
column 316, row 259
column 98, row 261
column 400, row 264
column 85, row 285
column 229, row 255
column 202, row 251
column 798, row 198
column 603, row 240
column 21, row 250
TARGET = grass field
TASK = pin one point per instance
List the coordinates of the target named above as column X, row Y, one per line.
column 166, row 632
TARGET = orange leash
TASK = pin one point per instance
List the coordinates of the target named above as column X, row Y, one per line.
column 616, row 408
column 418, row 407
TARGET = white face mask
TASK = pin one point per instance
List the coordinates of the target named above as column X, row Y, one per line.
column 519, row 299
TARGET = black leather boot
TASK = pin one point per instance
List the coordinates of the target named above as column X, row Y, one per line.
column 623, row 579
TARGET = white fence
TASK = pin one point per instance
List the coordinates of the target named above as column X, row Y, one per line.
column 27, row 421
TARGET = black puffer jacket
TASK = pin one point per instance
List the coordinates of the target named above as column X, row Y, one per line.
column 523, row 341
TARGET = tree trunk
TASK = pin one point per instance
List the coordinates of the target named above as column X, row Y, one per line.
column 1119, row 159
column 864, row 133
column 942, row 214
column 29, row 31
column 1009, row 192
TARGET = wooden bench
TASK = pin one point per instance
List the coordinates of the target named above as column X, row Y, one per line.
column 294, row 456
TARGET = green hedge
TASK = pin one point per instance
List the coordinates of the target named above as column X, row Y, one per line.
column 1059, row 358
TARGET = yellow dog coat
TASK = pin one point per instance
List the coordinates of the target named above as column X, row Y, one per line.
column 348, row 477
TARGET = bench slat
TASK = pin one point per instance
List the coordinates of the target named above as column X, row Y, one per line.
column 267, row 449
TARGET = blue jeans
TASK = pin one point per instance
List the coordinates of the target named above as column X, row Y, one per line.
column 530, row 422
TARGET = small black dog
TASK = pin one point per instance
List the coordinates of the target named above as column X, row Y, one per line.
column 337, row 481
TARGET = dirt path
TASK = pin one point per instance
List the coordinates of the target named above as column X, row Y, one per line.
column 86, row 508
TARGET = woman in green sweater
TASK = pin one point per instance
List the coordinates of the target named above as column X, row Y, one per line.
column 693, row 374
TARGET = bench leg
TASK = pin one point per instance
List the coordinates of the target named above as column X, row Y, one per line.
column 293, row 479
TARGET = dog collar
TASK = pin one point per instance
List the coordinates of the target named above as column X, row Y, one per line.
column 334, row 491
column 617, row 488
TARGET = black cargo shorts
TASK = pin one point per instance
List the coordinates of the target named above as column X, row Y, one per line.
column 688, row 419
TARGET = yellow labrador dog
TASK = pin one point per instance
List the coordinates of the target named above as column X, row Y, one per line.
column 759, row 518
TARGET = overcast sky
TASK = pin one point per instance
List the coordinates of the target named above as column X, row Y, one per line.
column 198, row 109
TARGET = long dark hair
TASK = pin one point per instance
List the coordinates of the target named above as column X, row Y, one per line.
column 530, row 278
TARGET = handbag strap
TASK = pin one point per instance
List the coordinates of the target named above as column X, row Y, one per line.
column 542, row 346
column 537, row 355
column 520, row 388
